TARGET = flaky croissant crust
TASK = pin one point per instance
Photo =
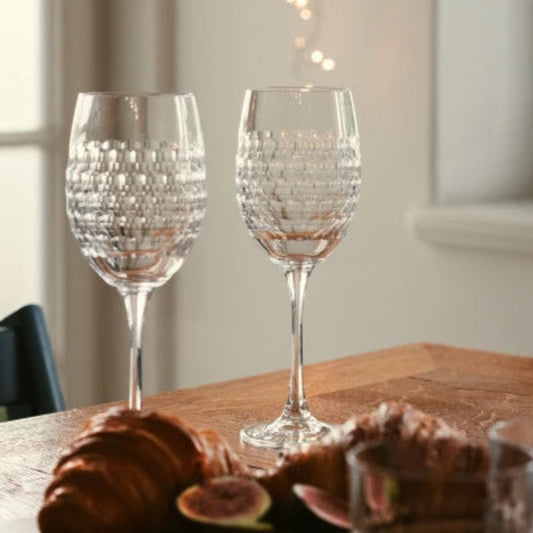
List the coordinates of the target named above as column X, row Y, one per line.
column 123, row 471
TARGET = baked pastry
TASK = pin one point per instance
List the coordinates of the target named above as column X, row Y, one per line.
column 323, row 465
column 124, row 471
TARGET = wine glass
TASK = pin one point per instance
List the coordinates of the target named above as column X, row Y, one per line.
column 136, row 195
column 298, row 178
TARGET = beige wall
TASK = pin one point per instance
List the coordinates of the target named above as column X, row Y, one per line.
column 381, row 287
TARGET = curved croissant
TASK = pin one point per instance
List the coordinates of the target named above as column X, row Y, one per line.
column 123, row 471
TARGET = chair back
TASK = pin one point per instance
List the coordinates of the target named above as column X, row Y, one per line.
column 29, row 384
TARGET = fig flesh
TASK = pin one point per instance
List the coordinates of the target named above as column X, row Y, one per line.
column 328, row 512
column 227, row 501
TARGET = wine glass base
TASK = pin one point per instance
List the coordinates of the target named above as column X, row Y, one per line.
column 285, row 432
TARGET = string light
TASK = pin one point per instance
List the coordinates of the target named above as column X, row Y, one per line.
column 299, row 42
column 328, row 64
column 306, row 14
column 317, row 56
column 307, row 10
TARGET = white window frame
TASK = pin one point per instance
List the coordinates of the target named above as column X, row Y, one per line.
column 48, row 139
column 497, row 224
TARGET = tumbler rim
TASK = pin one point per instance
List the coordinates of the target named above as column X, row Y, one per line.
column 496, row 437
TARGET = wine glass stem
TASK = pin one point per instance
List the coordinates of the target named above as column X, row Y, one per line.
column 135, row 303
column 296, row 404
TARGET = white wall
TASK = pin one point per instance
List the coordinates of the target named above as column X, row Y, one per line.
column 381, row 287
column 484, row 100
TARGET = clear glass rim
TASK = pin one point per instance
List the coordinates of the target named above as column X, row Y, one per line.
column 298, row 89
column 495, row 428
column 135, row 94
column 429, row 475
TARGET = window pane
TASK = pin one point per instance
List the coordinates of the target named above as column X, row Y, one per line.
column 21, row 56
column 22, row 258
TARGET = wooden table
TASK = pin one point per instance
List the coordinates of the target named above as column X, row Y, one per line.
column 468, row 388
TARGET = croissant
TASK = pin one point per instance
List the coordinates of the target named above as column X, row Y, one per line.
column 324, row 465
column 123, row 472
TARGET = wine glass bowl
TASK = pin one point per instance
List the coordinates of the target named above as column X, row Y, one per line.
column 297, row 185
column 134, row 222
column 298, row 179
column 136, row 194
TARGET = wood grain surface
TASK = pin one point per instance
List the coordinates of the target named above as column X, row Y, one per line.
column 469, row 389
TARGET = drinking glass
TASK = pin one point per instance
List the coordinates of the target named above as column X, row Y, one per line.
column 136, row 195
column 511, row 438
column 298, row 178
column 411, row 487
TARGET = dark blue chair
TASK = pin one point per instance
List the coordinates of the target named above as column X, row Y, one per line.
column 29, row 384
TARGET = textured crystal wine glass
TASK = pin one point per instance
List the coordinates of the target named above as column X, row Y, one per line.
column 298, row 177
column 136, row 195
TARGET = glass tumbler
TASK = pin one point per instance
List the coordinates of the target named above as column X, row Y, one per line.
column 411, row 487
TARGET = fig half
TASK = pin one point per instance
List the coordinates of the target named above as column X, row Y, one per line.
column 322, row 510
column 227, row 501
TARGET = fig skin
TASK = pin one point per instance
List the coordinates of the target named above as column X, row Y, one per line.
column 228, row 503
column 319, row 511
